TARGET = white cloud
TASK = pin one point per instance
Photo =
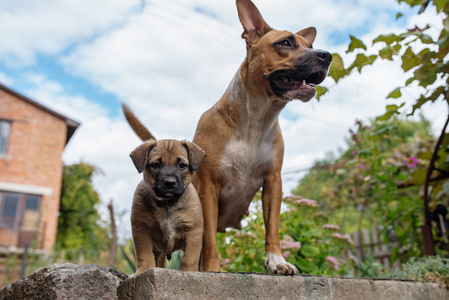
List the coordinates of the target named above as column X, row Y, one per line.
column 50, row 26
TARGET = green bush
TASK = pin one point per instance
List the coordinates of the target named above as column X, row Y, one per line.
column 313, row 246
column 426, row 269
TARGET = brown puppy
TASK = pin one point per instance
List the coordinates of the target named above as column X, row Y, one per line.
column 166, row 213
column 241, row 133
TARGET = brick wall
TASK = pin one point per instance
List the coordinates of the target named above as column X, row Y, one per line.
column 34, row 159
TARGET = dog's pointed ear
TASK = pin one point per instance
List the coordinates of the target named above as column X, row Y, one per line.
column 196, row 154
column 308, row 34
column 253, row 24
column 140, row 155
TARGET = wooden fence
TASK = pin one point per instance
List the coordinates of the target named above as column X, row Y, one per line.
column 372, row 243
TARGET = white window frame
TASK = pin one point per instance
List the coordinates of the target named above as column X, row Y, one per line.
column 5, row 135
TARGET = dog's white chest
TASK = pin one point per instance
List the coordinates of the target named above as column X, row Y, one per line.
column 243, row 168
column 169, row 235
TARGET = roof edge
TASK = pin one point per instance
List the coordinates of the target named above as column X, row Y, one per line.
column 72, row 125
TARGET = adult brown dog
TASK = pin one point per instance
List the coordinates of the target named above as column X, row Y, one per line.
column 166, row 212
column 241, row 133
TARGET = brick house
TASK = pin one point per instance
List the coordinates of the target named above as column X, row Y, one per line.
column 32, row 139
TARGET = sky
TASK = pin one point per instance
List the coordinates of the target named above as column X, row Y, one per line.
column 172, row 60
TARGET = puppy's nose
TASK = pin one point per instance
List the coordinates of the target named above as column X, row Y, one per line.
column 170, row 183
column 324, row 56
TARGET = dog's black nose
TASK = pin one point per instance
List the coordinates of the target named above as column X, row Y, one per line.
column 324, row 56
column 170, row 183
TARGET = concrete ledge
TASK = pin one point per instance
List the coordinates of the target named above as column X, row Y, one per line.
column 159, row 283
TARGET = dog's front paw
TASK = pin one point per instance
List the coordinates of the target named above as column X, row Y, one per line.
column 276, row 264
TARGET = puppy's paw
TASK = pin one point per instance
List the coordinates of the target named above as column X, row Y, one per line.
column 276, row 264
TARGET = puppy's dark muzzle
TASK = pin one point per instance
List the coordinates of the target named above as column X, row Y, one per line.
column 169, row 185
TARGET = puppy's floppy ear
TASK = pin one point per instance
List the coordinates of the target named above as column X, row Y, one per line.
column 140, row 155
column 196, row 154
column 253, row 24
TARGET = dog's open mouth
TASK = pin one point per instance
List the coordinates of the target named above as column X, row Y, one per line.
column 295, row 85
column 292, row 80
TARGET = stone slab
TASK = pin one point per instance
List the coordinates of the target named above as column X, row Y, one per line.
column 159, row 283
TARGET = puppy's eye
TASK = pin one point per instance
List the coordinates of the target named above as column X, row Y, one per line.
column 182, row 166
column 285, row 43
column 156, row 165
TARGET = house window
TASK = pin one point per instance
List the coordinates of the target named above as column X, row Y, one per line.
column 19, row 211
column 5, row 131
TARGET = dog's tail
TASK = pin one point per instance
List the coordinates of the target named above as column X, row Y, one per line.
column 142, row 132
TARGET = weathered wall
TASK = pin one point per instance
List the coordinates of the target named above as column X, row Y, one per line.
column 70, row 281
column 170, row 284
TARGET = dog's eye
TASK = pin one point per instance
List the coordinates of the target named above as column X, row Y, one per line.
column 156, row 165
column 285, row 43
column 182, row 166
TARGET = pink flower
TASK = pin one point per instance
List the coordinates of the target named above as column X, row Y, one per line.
column 331, row 227
column 353, row 153
column 307, row 202
column 361, row 166
column 290, row 245
column 286, row 254
column 413, row 163
column 333, row 261
column 341, row 237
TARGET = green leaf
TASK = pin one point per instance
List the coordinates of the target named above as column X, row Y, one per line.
column 362, row 60
column 425, row 155
column 443, row 44
column 411, row 2
column 426, row 75
column 399, row 231
column 386, row 53
column 337, row 69
column 394, row 107
column 437, row 93
column 387, row 38
column 445, row 142
column 398, row 15
column 409, row 81
column 419, row 177
column 396, row 93
column 409, row 60
column 443, row 68
column 395, row 49
column 440, row 4
column 425, row 54
column 304, row 265
column 320, row 91
column 355, row 44
column 421, row 101
column 426, row 39
column 391, row 110
column 309, row 251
